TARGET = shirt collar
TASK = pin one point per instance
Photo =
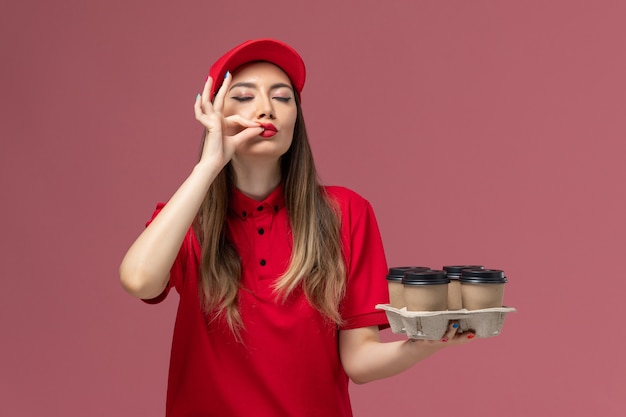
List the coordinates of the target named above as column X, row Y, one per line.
column 244, row 206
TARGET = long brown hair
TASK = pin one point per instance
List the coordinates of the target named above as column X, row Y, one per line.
column 316, row 263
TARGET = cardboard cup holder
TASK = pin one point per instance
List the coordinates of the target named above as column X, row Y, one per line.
column 432, row 325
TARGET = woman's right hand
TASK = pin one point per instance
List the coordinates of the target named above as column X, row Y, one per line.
column 223, row 134
column 145, row 269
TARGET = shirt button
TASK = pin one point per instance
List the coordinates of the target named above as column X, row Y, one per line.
column 276, row 209
column 261, row 231
column 244, row 214
column 260, row 208
column 262, row 262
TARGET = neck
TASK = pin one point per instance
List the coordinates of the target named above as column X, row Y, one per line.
column 256, row 179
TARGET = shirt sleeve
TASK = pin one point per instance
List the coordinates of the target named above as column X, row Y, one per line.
column 177, row 272
column 366, row 265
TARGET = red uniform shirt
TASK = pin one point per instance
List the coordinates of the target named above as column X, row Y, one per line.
column 288, row 364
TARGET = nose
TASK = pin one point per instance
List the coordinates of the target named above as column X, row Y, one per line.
column 265, row 110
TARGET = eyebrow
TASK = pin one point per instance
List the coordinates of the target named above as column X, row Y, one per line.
column 253, row 85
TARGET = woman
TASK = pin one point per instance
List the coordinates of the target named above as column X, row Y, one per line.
column 277, row 276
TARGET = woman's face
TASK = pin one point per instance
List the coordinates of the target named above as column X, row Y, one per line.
column 262, row 92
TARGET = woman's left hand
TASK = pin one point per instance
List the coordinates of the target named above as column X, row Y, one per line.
column 452, row 336
column 365, row 358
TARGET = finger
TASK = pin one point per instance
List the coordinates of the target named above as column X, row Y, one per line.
column 218, row 103
column 207, row 90
column 199, row 111
column 246, row 134
column 464, row 337
column 205, row 102
column 237, row 120
column 453, row 327
column 197, row 107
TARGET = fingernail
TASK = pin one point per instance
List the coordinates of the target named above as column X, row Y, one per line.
column 455, row 326
column 198, row 97
column 226, row 75
column 445, row 339
column 470, row 336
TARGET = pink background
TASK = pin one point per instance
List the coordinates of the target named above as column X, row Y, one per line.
column 481, row 131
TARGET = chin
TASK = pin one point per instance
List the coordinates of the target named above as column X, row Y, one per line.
column 267, row 147
column 261, row 151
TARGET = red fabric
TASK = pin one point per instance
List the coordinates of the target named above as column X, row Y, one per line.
column 289, row 363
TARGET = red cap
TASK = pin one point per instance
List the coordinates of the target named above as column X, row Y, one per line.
column 270, row 50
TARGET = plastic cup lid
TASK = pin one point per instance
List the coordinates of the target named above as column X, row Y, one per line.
column 397, row 273
column 430, row 277
column 483, row 276
column 457, row 269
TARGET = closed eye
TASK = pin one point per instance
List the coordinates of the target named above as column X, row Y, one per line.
column 242, row 99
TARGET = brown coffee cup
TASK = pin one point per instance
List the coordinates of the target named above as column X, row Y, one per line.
column 396, row 288
column 455, row 300
column 425, row 290
column 482, row 288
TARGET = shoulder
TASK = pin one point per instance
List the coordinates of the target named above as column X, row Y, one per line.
column 344, row 194
column 348, row 200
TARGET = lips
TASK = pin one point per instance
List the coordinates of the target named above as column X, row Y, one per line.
column 269, row 130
